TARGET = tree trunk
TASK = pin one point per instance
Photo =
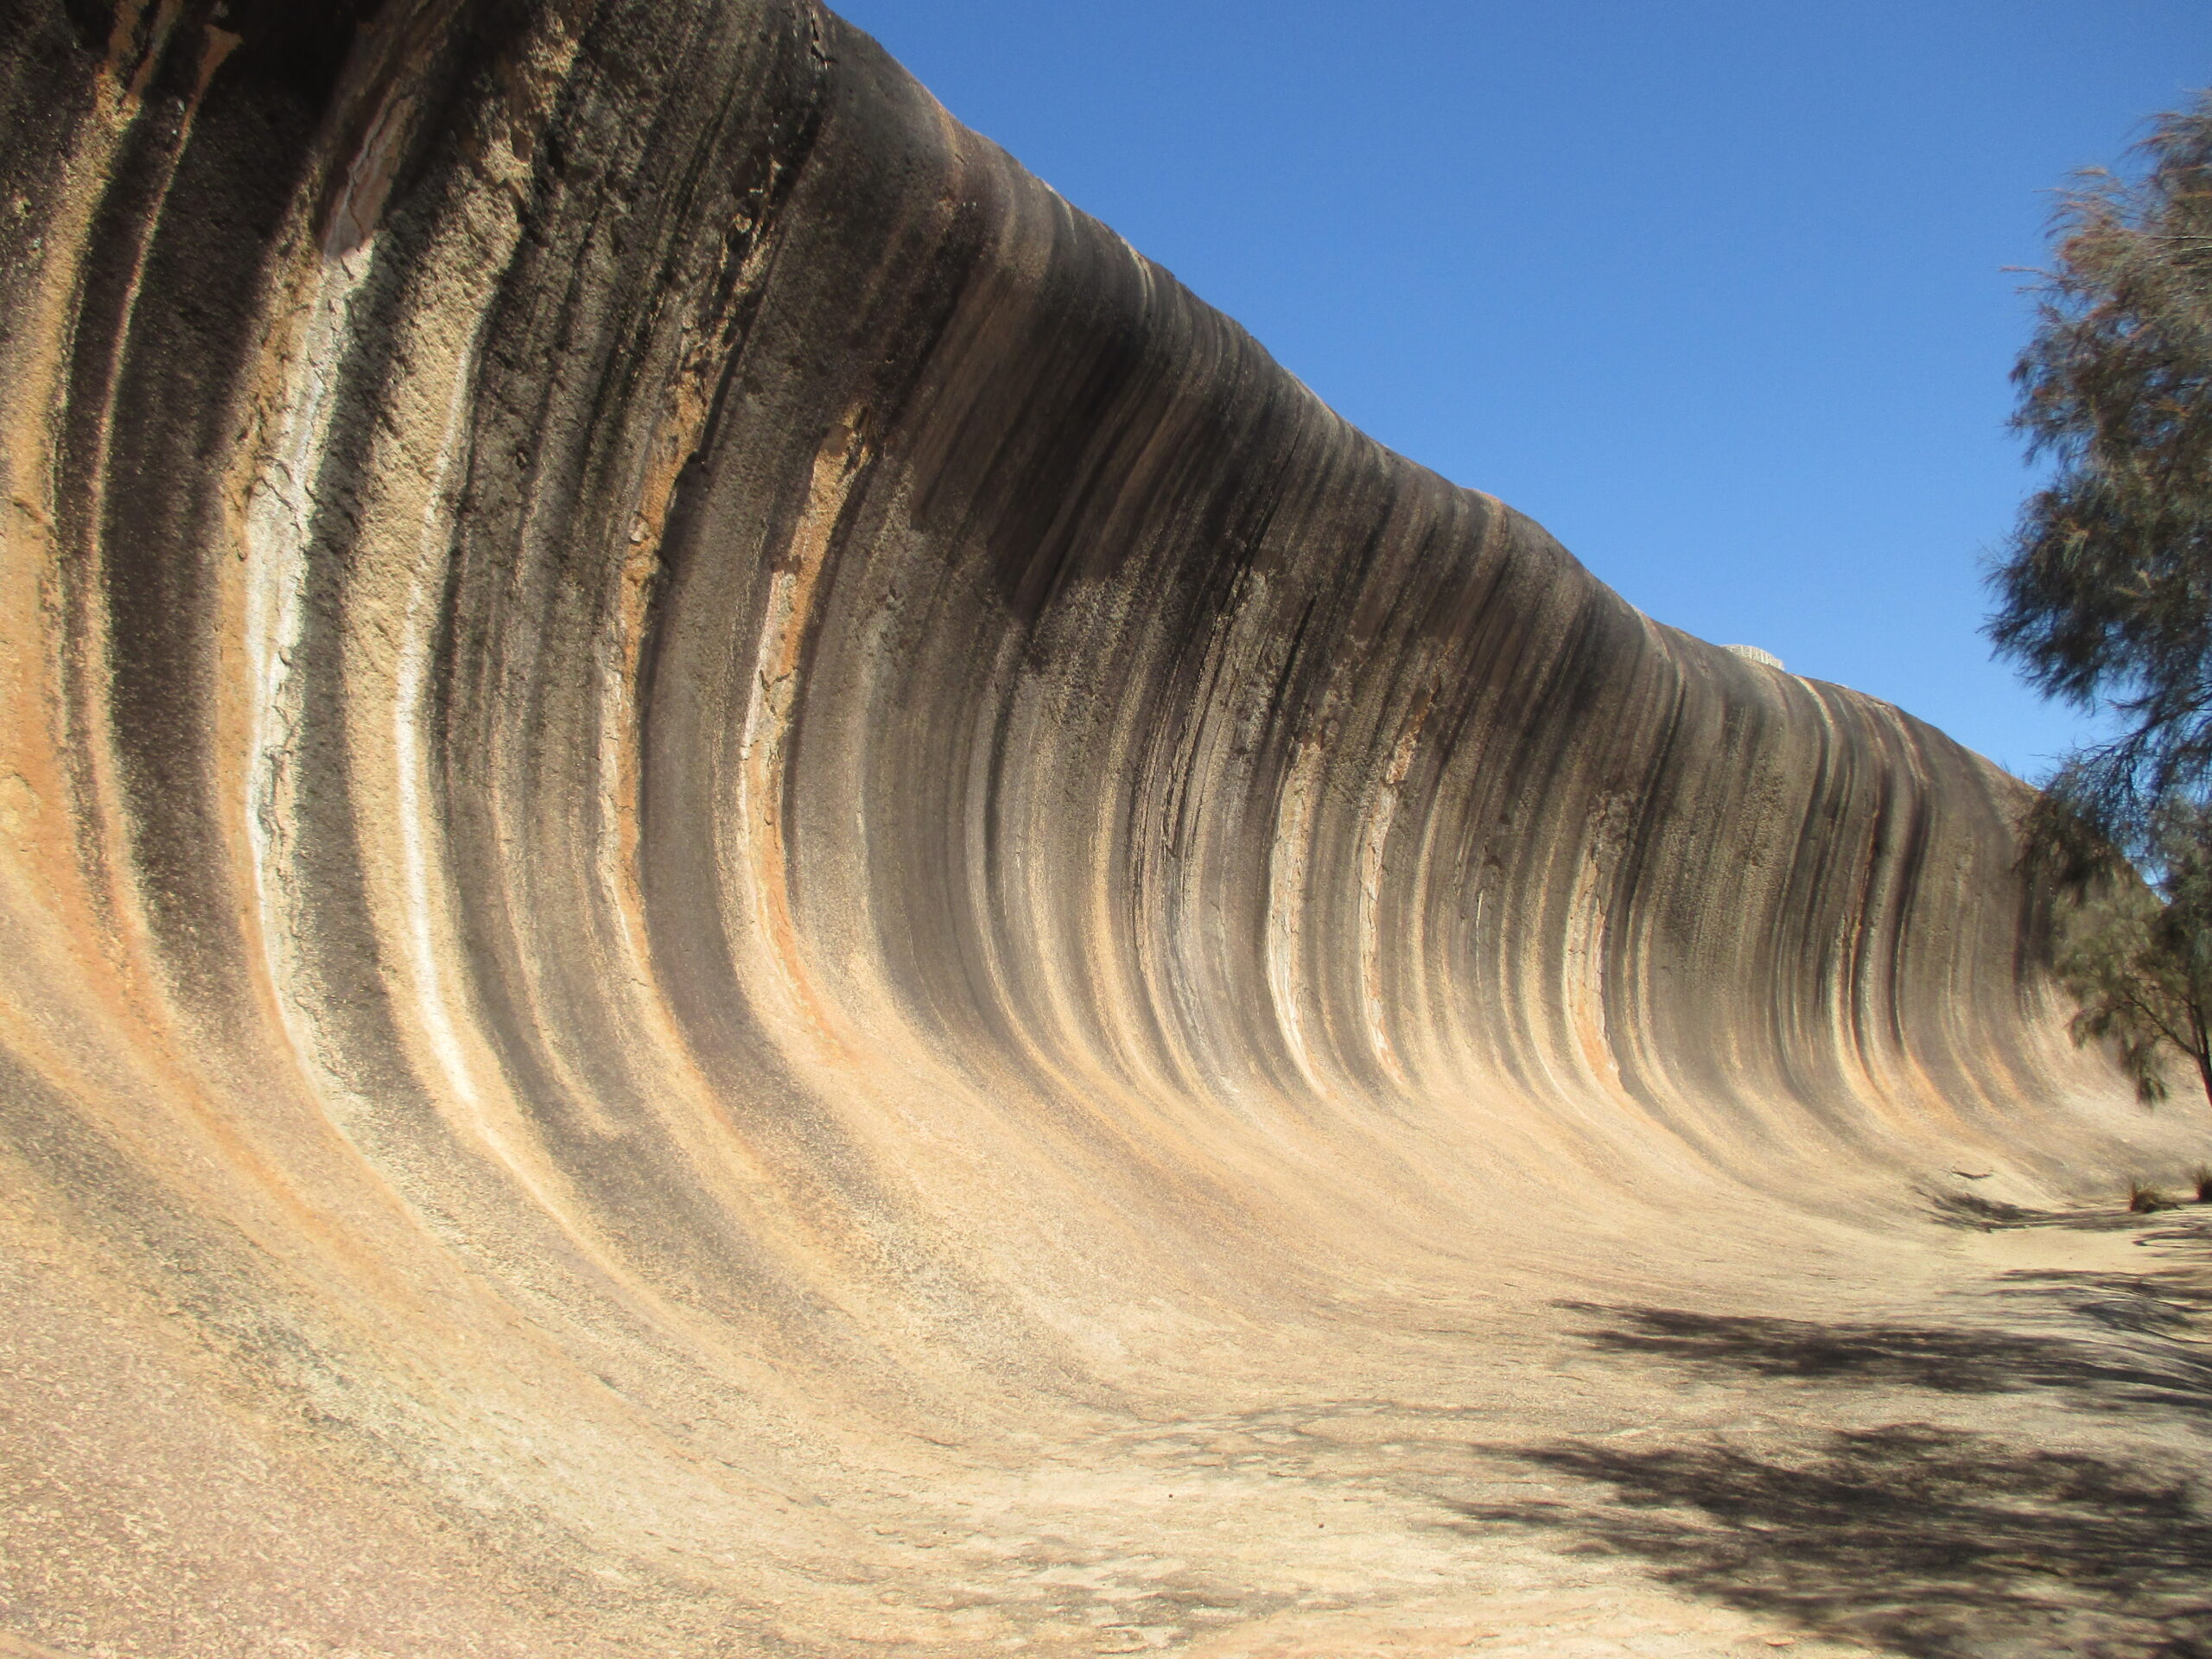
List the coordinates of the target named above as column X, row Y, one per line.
column 2201, row 1051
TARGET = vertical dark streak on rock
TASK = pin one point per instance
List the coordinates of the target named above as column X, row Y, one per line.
column 176, row 394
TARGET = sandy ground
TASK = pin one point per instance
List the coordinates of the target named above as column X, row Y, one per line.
column 1999, row 1448
column 1982, row 1433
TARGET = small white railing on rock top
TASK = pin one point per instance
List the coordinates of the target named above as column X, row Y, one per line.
column 1753, row 654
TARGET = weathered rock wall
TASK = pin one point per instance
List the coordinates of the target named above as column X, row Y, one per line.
column 699, row 793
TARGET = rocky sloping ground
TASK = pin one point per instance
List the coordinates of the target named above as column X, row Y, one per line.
column 751, row 904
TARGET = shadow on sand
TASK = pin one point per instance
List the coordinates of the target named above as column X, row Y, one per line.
column 1918, row 1540
column 1950, row 1359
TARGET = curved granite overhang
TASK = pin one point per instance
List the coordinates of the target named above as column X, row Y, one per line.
column 714, row 819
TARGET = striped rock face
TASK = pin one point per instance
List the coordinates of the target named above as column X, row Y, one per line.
column 751, row 904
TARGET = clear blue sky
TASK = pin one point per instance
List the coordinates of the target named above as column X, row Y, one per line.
column 1715, row 291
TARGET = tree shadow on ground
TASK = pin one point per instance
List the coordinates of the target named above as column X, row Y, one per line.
column 1946, row 1359
column 2159, row 1305
column 1971, row 1209
column 1926, row 1542
column 1923, row 1541
column 1970, row 1212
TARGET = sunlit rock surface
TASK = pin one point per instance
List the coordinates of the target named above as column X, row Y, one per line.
column 753, row 904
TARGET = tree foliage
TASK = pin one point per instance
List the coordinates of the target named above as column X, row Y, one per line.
column 2139, row 957
column 2105, row 592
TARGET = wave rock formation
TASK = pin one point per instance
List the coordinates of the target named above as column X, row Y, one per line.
column 735, row 867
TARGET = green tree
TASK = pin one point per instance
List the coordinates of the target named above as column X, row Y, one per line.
column 2105, row 590
column 2138, row 957
column 2105, row 593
